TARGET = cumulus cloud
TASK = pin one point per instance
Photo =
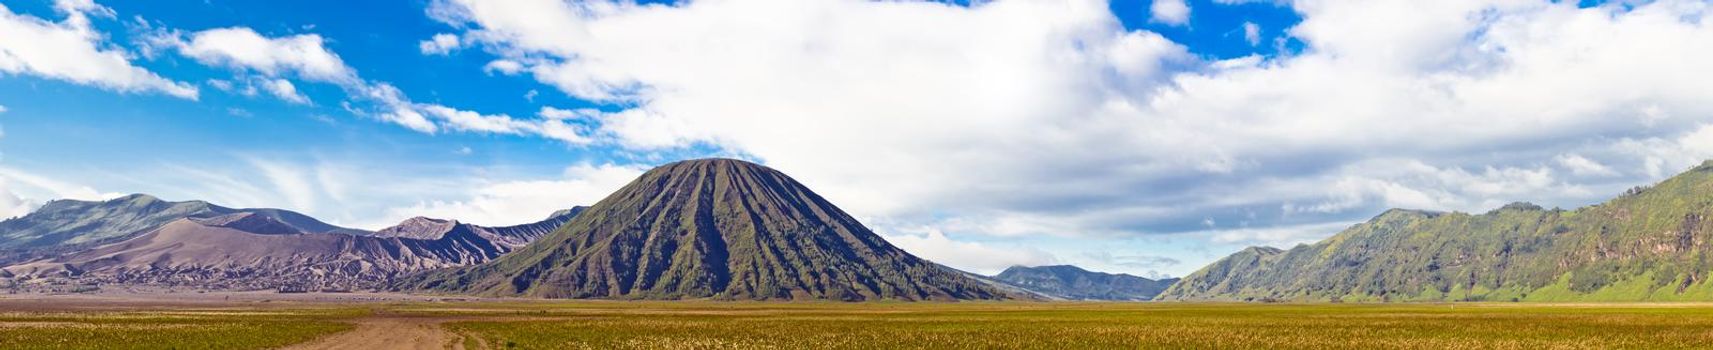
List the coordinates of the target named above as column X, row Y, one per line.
column 1582, row 166
column 72, row 50
column 1050, row 118
column 241, row 47
column 519, row 202
column 863, row 83
column 439, row 44
column 1020, row 118
column 1396, row 183
column 507, row 67
column 1173, row 12
column 271, row 60
column 932, row 244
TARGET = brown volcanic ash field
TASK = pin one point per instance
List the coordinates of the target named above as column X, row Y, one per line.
column 253, row 321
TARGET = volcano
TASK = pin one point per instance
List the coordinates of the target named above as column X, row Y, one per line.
column 711, row 229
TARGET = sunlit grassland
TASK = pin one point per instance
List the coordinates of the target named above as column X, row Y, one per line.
column 1054, row 325
column 178, row 329
column 1012, row 325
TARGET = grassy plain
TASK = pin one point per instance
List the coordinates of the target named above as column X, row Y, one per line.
column 162, row 329
column 726, row 325
column 1097, row 326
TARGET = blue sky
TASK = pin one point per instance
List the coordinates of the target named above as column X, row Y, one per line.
column 1139, row 136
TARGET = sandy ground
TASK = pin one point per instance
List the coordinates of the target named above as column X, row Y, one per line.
column 151, row 301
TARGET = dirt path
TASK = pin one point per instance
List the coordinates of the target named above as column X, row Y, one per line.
column 378, row 333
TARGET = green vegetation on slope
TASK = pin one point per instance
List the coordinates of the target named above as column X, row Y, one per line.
column 712, row 228
column 1074, row 283
column 1650, row 244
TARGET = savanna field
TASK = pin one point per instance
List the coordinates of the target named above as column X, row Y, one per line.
column 723, row 325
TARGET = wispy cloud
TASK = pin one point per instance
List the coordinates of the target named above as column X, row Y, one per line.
column 306, row 57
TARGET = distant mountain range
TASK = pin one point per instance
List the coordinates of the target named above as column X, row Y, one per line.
column 711, row 228
column 68, row 225
column 726, row 229
column 1065, row 282
column 1650, row 244
column 141, row 240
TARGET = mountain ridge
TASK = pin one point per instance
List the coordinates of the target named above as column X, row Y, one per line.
column 1649, row 244
column 1069, row 282
column 251, row 250
column 63, row 226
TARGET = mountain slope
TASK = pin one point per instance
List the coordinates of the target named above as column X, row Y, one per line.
column 511, row 237
column 1651, row 244
column 246, row 251
column 711, row 228
column 68, row 225
column 1074, row 283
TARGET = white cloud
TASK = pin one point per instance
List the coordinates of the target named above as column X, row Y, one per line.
column 305, row 56
column 507, row 67
column 1252, row 33
column 932, row 244
column 291, row 182
column 439, row 44
column 1661, row 156
column 1411, row 184
column 472, row 121
column 1173, row 12
column 232, row 87
column 72, row 50
column 342, row 191
column 30, row 185
column 284, row 90
column 1134, row 261
column 562, row 131
column 263, row 63
column 1023, row 118
column 519, row 202
column 1283, row 237
column 565, row 114
column 242, row 48
column 1582, row 166
column 3, row 109
column 546, row 126
column 11, row 205
column 903, row 94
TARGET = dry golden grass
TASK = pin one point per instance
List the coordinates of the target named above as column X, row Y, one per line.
column 1100, row 326
column 163, row 329
column 715, row 325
